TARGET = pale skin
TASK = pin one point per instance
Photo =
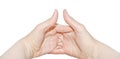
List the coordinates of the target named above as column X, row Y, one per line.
column 51, row 38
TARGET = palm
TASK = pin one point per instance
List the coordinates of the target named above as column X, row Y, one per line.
column 67, row 45
column 48, row 45
column 70, row 46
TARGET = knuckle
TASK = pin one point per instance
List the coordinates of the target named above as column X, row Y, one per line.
column 38, row 26
column 80, row 27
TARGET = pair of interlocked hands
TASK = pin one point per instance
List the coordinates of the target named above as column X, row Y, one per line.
column 51, row 38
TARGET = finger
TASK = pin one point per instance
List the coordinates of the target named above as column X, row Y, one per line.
column 59, row 29
column 63, row 29
column 58, row 49
column 70, row 21
column 49, row 23
column 50, row 33
column 48, row 45
column 40, row 29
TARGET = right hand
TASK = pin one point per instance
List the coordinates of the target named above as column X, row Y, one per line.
column 89, row 47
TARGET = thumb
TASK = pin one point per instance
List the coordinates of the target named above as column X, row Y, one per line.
column 49, row 23
column 40, row 29
column 63, row 29
column 71, row 22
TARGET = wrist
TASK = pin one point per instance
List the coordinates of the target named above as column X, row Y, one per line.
column 17, row 51
column 24, row 48
column 31, row 47
column 28, row 48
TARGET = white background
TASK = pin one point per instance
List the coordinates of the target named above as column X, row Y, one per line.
column 19, row 17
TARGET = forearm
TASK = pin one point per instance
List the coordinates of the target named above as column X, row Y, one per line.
column 102, row 51
column 18, row 51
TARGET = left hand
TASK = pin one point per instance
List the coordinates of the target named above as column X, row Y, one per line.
column 33, row 41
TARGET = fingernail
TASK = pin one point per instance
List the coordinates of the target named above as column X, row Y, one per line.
column 51, row 39
column 60, row 37
column 66, row 11
column 59, row 40
column 55, row 11
column 59, row 47
column 60, row 44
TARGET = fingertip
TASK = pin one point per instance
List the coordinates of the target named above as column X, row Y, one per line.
column 65, row 14
column 51, row 21
column 55, row 15
column 68, row 19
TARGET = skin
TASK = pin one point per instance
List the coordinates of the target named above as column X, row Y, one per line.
column 66, row 46
column 51, row 38
column 89, row 47
column 31, row 45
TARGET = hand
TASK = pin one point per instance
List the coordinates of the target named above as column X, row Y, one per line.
column 31, row 45
column 45, row 38
column 35, row 39
column 73, row 40
column 88, row 46
column 52, row 42
column 64, row 44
